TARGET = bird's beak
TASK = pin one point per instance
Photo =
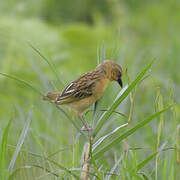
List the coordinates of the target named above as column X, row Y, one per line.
column 120, row 82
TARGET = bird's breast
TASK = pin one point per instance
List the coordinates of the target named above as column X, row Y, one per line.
column 100, row 88
column 97, row 92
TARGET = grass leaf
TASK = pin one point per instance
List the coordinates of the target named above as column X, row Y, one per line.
column 69, row 171
column 100, row 140
column 129, row 132
column 102, row 53
column 22, row 82
column 3, row 149
column 20, row 141
column 143, row 163
column 38, row 92
column 97, row 103
column 108, row 176
column 48, row 62
column 107, row 114
column 70, row 120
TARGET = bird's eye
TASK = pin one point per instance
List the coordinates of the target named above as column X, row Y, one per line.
column 119, row 74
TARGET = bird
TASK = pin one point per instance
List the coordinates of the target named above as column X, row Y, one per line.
column 88, row 88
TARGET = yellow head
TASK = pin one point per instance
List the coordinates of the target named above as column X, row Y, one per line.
column 113, row 71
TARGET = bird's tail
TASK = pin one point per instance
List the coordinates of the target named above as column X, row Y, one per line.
column 51, row 96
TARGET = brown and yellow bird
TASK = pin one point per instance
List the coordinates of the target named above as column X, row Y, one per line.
column 88, row 88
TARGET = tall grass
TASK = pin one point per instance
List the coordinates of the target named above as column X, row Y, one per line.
column 91, row 154
column 54, row 146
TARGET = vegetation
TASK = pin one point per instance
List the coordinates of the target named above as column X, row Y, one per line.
column 45, row 45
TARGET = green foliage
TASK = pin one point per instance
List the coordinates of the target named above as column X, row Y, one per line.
column 130, row 33
column 118, row 100
column 3, row 152
column 128, row 133
column 20, row 141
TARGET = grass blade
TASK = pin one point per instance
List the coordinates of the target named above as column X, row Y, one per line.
column 129, row 132
column 95, row 112
column 97, row 103
column 3, row 149
column 20, row 141
column 69, row 171
column 100, row 140
column 159, row 105
column 48, row 62
column 107, row 114
column 13, row 174
column 22, row 82
column 69, row 118
column 108, row 176
column 38, row 92
column 98, row 61
column 143, row 163
column 102, row 53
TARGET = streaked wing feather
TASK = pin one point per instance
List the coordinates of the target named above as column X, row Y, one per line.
column 79, row 89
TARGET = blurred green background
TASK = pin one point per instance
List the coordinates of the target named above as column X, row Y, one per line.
column 71, row 34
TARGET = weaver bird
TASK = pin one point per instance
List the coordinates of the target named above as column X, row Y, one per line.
column 88, row 88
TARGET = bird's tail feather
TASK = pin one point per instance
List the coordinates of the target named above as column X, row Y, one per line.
column 51, row 96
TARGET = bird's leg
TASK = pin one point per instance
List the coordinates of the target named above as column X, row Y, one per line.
column 85, row 125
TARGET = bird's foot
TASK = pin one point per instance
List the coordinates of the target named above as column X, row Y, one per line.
column 86, row 129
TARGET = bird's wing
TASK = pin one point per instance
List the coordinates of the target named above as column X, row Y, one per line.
column 78, row 89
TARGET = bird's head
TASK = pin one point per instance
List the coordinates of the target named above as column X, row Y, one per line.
column 113, row 71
